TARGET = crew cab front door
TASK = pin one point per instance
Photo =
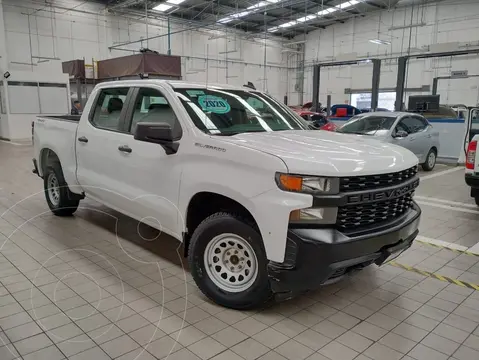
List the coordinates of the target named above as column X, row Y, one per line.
column 149, row 176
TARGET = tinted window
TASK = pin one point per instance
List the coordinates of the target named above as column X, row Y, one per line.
column 152, row 106
column 413, row 124
column 475, row 119
column 367, row 124
column 108, row 108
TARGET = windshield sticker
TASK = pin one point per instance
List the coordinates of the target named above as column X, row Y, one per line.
column 214, row 104
column 195, row 93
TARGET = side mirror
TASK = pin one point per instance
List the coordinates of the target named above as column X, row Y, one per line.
column 157, row 133
column 401, row 134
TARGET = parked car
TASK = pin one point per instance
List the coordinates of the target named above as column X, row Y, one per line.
column 262, row 203
column 409, row 130
column 472, row 168
column 318, row 120
column 368, row 110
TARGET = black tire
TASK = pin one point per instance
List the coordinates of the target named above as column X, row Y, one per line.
column 65, row 205
column 477, row 200
column 259, row 292
column 429, row 167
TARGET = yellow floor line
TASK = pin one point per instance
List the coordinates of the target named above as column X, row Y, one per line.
column 435, row 276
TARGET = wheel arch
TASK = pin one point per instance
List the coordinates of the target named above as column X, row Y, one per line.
column 47, row 157
column 205, row 203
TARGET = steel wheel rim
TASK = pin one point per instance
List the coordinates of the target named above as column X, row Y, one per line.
column 53, row 189
column 231, row 263
column 431, row 160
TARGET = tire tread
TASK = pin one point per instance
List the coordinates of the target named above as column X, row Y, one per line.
column 67, row 206
column 195, row 238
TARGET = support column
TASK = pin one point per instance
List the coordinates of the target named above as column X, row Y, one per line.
column 328, row 105
column 434, row 85
column 375, row 84
column 401, row 80
column 4, row 124
column 316, row 83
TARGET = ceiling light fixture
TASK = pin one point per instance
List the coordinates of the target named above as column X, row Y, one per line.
column 162, row 7
column 347, row 4
column 258, row 5
column 323, row 12
column 306, row 18
column 249, row 10
column 225, row 20
column 380, row 42
column 175, row 2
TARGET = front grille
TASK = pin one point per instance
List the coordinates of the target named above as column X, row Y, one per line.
column 371, row 182
column 352, row 217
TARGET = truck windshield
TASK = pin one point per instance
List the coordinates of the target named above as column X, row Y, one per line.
column 367, row 124
column 231, row 112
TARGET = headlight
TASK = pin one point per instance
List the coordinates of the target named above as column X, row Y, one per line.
column 316, row 186
column 307, row 184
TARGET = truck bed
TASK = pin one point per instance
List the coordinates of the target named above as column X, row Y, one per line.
column 75, row 118
column 60, row 138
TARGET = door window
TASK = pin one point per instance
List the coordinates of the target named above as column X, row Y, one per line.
column 152, row 106
column 108, row 108
column 412, row 124
column 475, row 119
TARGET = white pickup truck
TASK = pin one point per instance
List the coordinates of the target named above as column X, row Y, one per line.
column 266, row 208
column 472, row 168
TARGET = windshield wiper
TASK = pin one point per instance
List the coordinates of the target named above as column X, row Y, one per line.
column 351, row 132
column 379, row 126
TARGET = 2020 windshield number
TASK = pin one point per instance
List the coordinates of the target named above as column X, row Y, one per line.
column 215, row 103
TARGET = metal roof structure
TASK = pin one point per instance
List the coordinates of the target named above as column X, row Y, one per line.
column 283, row 18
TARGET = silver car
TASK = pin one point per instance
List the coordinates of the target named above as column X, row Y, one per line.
column 409, row 130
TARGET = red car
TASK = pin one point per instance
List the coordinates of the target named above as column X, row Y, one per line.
column 318, row 120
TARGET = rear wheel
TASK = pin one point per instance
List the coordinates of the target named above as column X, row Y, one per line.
column 430, row 161
column 228, row 262
column 57, row 194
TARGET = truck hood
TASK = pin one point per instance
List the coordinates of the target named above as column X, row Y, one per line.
column 326, row 153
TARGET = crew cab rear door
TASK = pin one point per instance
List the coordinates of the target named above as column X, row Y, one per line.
column 99, row 134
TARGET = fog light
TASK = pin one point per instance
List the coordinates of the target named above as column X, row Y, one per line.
column 314, row 216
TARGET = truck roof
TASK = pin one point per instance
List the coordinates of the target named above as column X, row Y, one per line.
column 173, row 83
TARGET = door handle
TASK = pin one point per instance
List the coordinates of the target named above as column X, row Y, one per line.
column 83, row 139
column 429, row 135
column 125, row 148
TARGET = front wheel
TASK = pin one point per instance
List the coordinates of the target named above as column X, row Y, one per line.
column 430, row 161
column 228, row 262
column 57, row 194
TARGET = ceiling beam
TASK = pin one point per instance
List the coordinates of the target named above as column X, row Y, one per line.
column 373, row 4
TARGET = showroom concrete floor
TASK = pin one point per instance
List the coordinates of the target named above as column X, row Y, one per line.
column 98, row 286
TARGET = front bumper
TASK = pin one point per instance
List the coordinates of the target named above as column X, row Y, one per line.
column 315, row 257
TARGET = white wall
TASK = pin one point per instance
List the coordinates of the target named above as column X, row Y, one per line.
column 445, row 22
column 87, row 31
